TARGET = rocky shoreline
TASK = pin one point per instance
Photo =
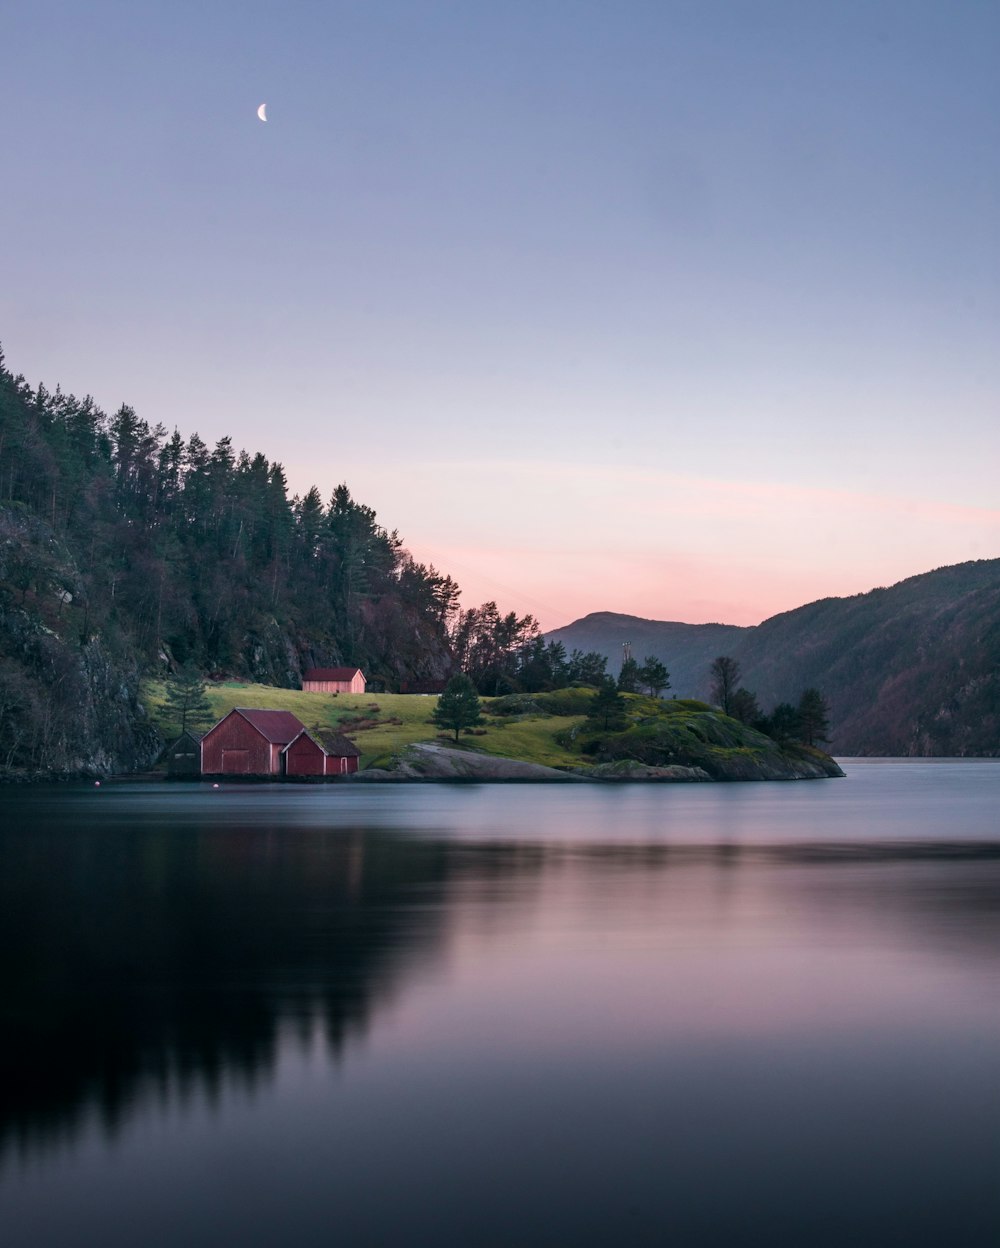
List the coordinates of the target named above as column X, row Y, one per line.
column 434, row 762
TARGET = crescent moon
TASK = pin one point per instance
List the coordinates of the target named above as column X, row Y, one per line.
column 261, row 113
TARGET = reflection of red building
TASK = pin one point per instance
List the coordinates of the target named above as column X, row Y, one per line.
column 248, row 743
column 320, row 754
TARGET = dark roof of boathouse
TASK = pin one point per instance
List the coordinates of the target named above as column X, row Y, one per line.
column 334, row 744
column 278, row 727
column 337, row 744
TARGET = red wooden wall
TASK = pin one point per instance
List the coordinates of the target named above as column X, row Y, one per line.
column 304, row 758
column 235, row 733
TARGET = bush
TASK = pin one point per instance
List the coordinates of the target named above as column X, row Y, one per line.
column 512, row 704
column 565, row 702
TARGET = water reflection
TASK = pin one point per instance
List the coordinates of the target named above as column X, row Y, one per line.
column 651, row 1017
column 140, row 962
column 140, row 965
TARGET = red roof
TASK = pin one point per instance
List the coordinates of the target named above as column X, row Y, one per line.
column 278, row 727
column 331, row 673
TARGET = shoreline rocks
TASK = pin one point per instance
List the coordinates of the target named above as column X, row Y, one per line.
column 433, row 762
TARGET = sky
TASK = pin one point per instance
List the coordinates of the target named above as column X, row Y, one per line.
column 688, row 309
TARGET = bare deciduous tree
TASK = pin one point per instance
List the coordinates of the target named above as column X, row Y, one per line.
column 725, row 673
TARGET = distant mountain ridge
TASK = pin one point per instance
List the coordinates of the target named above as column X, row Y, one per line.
column 687, row 649
column 912, row 669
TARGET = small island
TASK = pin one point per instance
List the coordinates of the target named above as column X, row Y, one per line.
column 567, row 735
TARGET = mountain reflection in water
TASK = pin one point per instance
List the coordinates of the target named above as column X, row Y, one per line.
column 645, row 1015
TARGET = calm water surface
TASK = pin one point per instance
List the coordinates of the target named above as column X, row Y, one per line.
column 720, row 1014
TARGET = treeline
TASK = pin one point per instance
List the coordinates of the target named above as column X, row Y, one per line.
column 807, row 722
column 126, row 550
column 198, row 554
column 507, row 654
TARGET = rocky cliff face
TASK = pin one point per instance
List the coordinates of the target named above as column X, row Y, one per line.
column 69, row 701
column 68, row 710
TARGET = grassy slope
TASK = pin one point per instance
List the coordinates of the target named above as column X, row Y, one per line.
column 402, row 719
column 321, row 710
column 378, row 736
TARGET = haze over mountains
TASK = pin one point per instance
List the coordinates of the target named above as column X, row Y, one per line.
column 913, row 669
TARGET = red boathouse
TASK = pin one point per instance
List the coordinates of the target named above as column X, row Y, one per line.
column 320, row 754
column 248, row 742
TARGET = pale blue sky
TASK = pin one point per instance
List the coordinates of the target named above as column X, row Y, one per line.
column 528, row 275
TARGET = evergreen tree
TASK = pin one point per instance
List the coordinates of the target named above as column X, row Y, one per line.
column 654, row 676
column 586, row 669
column 628, row 677
column 814, row 717
column 542, row 665
column 782, row 724
column 490, row 646
column 607, row 706
column 458, row 706
column 186, row 703
column 744, row 706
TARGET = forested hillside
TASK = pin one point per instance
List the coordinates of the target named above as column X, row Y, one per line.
column 125, row 549
column 913, row 669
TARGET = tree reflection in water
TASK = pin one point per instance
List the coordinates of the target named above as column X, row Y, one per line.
column 152, row 964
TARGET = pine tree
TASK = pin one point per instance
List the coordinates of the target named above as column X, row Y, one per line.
column 654, row 676
column 628, row 677
column 458, row 707
column 586, row 669
column 186, row 703
column 814, row 717
column 744, row 707
column 782, row 724
column 607, row 706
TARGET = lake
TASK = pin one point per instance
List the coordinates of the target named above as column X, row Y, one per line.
column 511, row 1015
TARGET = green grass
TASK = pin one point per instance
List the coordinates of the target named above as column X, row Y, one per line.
column 532, row 740
column 320, row 710
column 404, row 719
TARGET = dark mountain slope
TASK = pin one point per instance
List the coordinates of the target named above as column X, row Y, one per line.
column 908, row 670
column 912, row 669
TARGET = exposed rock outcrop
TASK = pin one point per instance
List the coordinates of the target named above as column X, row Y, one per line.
column 430, row 761
column 433, row 761
column 629, row 769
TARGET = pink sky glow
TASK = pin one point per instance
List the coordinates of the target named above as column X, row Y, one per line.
column 577, row 539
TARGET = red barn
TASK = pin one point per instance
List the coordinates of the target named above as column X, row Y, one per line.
column 248, row 742
column 320, row 754
column 334, row 680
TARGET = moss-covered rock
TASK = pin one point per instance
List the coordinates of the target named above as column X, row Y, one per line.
column 707, row 740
